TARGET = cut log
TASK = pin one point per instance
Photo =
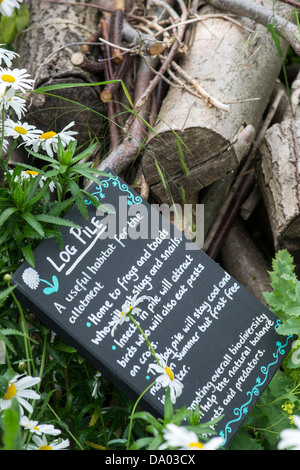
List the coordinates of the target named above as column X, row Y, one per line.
column 53, row 26
column 240, row 256
column 279, row 180
column 234, row 67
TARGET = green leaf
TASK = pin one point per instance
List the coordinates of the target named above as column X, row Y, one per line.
column 28, row 255
column 146, row 416
column 12, row 433
column 71, row 85
column 4, row 384
column 6, row 214
column 75, row 190
column 42, row 157
column 289, row 327
column 8, row 29
column 169, row 412
column 56, row 220
column 5, row 293
column 84, row 154
column 22, row 17
column 33, row 222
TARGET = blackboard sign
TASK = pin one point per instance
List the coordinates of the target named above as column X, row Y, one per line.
column 218, row 340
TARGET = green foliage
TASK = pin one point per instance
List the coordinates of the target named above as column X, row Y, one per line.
column 10, row 26
column 281, row 400
column 26, row 212
column 10, row 425
column 284, row 300
column 183, row 417
column 66, row 171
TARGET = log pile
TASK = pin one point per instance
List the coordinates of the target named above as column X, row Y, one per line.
column 203, row 81
column 238, row 77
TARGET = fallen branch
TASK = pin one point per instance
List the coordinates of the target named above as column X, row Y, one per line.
column 116, row 29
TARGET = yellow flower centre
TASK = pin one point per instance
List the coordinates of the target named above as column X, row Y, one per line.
column 198, row 445
column 11, row 392
column 36, row 428
column 45, row 448
column 20, row 130
column 169, row 373
column 47, row 135
column 8, row 78
column 130, row 308
column 31, row 172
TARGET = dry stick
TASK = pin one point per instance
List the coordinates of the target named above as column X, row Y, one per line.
column 239, row 190
column 263, row 16
column 109, row 90
column 113, row 128
column 210, row 100
column 290, row 2
column 120, row 157
column 173, row 51
column 144, row 42
column 93, row 38
column 80, row 60
column 116, row 29
column 79, row 4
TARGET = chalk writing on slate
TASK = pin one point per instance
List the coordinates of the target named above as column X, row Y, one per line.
column 217, row 338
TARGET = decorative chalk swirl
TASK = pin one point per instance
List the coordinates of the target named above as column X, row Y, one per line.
column 114, row 180
column 255, row 390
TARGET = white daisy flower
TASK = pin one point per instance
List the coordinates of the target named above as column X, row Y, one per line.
column 183, row 439
column 16, row 78
column 131, row 306
column 5, row 143
column 38, row 429
column 166, row 379
column 41, row 443
column 96, row 393
column 51, row 186
column 6, row 55
column 18, row 387
column 31, row 278
column 8, row 99
column 7, row 6
column 290, row 438
column 49, row 140
column 127, row 307
column 18, row 129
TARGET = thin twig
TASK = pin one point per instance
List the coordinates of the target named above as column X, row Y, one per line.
column 263, row 16
column 116, row 29
column 290, row 2
column 79, row 4
column 207, row 17
column 210, row 100
column 173, row 51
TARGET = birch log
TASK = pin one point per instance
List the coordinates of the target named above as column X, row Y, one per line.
column 279, row 179
column 53, row 26
column 236, row 63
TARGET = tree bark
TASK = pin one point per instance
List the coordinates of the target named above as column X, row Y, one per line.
column 279, row 180
column 233, row 66
column 51, row 27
